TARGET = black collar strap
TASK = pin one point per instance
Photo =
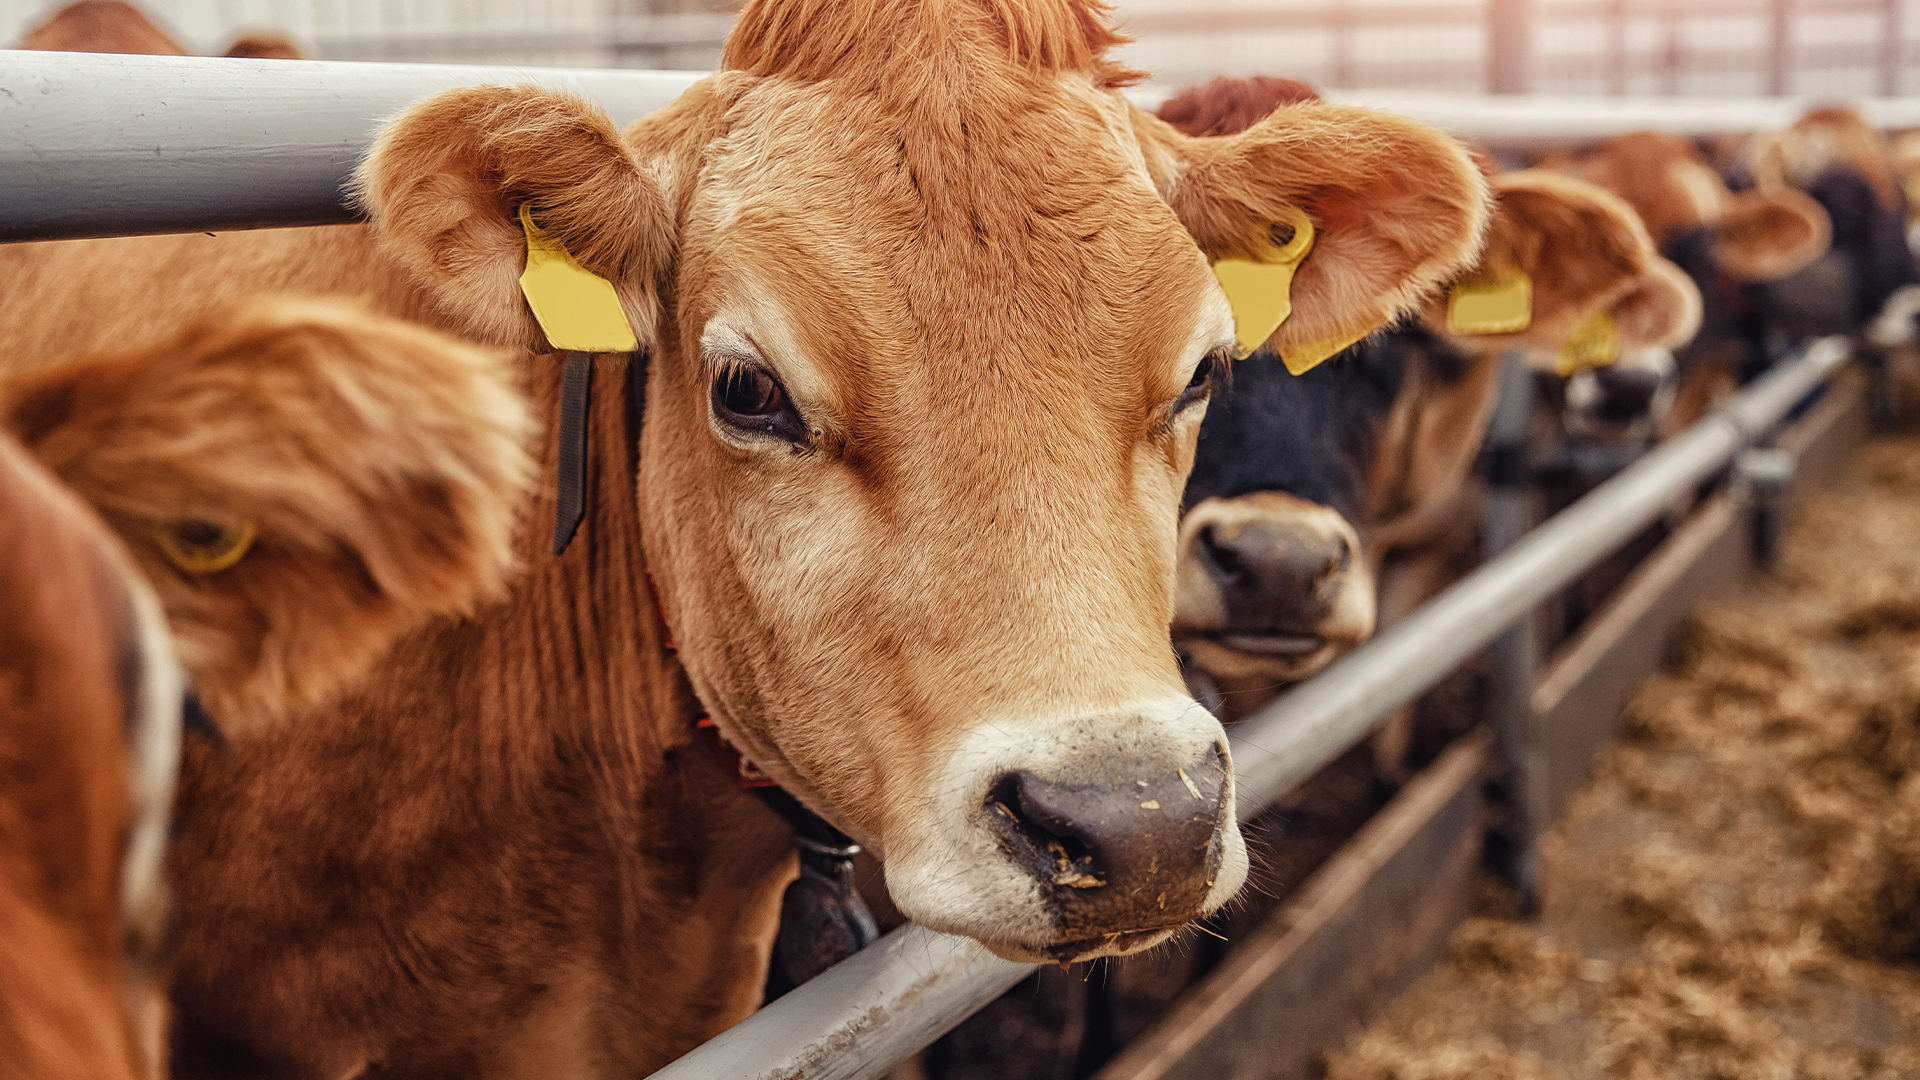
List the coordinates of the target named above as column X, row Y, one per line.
column 570, row 506
column 196, row 720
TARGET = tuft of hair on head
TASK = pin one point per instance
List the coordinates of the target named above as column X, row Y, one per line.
column 859, row 41
column 378, row 467
column 1228, row 106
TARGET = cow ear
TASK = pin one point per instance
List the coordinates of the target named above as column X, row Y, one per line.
column 1396, row 207
column 446, row 180
column 1662, row 309
column 1768, row 233
column 301, row 482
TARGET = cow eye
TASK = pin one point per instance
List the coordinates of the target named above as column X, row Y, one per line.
column 1201, row 385
column 751, row 401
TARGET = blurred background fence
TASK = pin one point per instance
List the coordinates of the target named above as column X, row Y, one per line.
column 1692, row 47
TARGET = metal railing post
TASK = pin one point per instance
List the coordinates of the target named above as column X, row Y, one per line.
column 1508, row 46
column 1515, row 652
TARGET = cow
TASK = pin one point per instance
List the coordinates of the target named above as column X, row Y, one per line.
column 1725, row 240
column 114, row 26
column 90, row 699
column 107, row 26
column 1325, row 503
column 263, row 502
column 1845, row 165
column 926, row 328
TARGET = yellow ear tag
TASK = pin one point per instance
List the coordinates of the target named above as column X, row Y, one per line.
column 1491, row 304
column 1260, row 293
column 576, row 307
column 199, row 546
column 1301, row 359
column 1594, row 343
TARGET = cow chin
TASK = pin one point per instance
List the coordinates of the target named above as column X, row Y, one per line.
column 1067, row 840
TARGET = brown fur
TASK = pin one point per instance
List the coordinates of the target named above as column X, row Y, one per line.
column 67, row 649
column 1226, row 106
column 1825, row 137
column 380, row 462
column 512, row 858
column 265, row 45
column 1760, row 235
column 106, row 26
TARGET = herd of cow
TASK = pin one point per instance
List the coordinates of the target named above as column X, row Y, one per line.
column 894, row 495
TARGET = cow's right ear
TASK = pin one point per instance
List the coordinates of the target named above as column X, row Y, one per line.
column 444, row 183
column 1397, row 208
column 1768, row 233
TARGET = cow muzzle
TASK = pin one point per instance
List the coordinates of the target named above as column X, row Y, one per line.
column 1092, row 838
column 1270, row 586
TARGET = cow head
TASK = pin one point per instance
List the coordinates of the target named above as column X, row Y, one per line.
column 1758, row 235
column 930, row 339
column 301, row 482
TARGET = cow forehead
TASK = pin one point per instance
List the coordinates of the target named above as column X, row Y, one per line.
column 899, row 246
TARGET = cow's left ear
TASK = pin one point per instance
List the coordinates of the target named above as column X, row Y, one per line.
column 1661, row 310
column 446, row 180
column 1396, row 206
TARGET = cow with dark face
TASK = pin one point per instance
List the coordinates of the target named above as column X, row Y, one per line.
column 1324, row 503
column 1845, row 165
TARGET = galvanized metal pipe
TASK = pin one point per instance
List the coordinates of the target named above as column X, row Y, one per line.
column 858, row 1019
column 93, row 144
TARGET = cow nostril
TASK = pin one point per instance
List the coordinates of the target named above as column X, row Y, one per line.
column 1336, row 564
column 1049, row 843
column 1221, row 559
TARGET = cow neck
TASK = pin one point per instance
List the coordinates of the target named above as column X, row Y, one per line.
column 823, row 919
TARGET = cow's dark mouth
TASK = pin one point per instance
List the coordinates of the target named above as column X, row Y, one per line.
column 1066, row 952
column 1272, row 644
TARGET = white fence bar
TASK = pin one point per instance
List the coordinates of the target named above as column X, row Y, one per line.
column 97, row 145
column 858, row 1019
column 94, row 144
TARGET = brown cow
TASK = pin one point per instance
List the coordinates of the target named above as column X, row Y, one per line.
column 89, row 740
column 106, row 26
column 928, row 323
column 302, row 483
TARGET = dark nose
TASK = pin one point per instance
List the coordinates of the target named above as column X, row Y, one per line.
column 1626, row 395
column 1140, row 850
column 1273, row 576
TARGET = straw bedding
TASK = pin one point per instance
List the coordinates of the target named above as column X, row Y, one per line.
column 1737, row 892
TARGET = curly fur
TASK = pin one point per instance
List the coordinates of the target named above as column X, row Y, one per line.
column 381, row 462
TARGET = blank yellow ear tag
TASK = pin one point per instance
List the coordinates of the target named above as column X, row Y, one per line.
column 576, row 307
column 1594, row 343
column 1301, row 359
column 1261, row 293
column 1493, row 304
column 204, row 547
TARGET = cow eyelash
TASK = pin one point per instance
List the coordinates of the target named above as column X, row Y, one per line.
column 750, row 401
column 1207, row 374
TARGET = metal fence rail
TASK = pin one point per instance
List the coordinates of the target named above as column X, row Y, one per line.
column 861, row 1017
column 102, row 145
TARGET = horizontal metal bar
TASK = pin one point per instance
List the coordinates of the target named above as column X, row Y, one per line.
column 100, row 145
column 1566, row 120
column 862, row 1016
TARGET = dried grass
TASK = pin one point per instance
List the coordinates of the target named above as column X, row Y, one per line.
column 1737, row 893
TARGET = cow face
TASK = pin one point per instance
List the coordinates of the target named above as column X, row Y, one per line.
column 930, row 339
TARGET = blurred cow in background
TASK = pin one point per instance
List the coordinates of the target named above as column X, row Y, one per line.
column 115, row 26
column 1723, row 240
column 277, row 492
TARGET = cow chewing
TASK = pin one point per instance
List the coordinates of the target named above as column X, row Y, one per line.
column 927, row 325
